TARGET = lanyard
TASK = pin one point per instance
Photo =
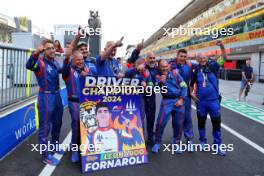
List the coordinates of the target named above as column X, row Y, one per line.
column 205, row 78
column 113, row 68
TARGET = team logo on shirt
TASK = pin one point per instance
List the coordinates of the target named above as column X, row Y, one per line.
column 49, row 69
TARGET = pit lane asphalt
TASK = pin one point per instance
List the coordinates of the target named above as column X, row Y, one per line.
column 243, row 160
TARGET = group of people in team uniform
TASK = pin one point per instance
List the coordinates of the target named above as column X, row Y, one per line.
column 184, row 80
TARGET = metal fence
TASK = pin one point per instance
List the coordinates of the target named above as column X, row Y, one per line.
column 16, row 82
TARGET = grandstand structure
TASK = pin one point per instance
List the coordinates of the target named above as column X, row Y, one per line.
column 245, row 18
column 10, row 25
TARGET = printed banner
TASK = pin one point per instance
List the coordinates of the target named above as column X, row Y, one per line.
column 16, row 127
column 110, row 124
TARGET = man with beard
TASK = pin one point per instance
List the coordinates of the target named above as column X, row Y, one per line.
column 150, row 101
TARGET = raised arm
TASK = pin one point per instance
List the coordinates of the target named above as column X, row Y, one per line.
column 136, row 52
column 77, row 37
column 110, row 48
column 66, row 63
column 32, row 63
column 222, row 47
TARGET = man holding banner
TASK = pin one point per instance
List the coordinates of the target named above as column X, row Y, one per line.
column 144, row 76
column 149, row 101
column 72, row 70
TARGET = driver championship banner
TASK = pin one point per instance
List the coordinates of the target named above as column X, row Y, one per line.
column 110, row 123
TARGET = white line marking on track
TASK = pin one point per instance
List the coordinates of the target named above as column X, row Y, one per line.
column 48, row 169
column 240, row 136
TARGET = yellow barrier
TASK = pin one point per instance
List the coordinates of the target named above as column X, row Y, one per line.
column 28, row 91
column 36, row 115
column 28, row 75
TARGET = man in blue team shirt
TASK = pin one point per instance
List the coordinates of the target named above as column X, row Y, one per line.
column 89, row 62
column 247, row 78
column 150, row 101
column 106, row 64
column 143, row 74
column 71, row 73
column 172, row 104
column 207, row 97
column 50, row 108
column 83, row 48
column 185, row 69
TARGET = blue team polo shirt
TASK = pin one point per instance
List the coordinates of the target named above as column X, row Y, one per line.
column 107, row 67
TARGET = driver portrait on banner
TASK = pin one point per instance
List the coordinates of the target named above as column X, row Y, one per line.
column 110, row 134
